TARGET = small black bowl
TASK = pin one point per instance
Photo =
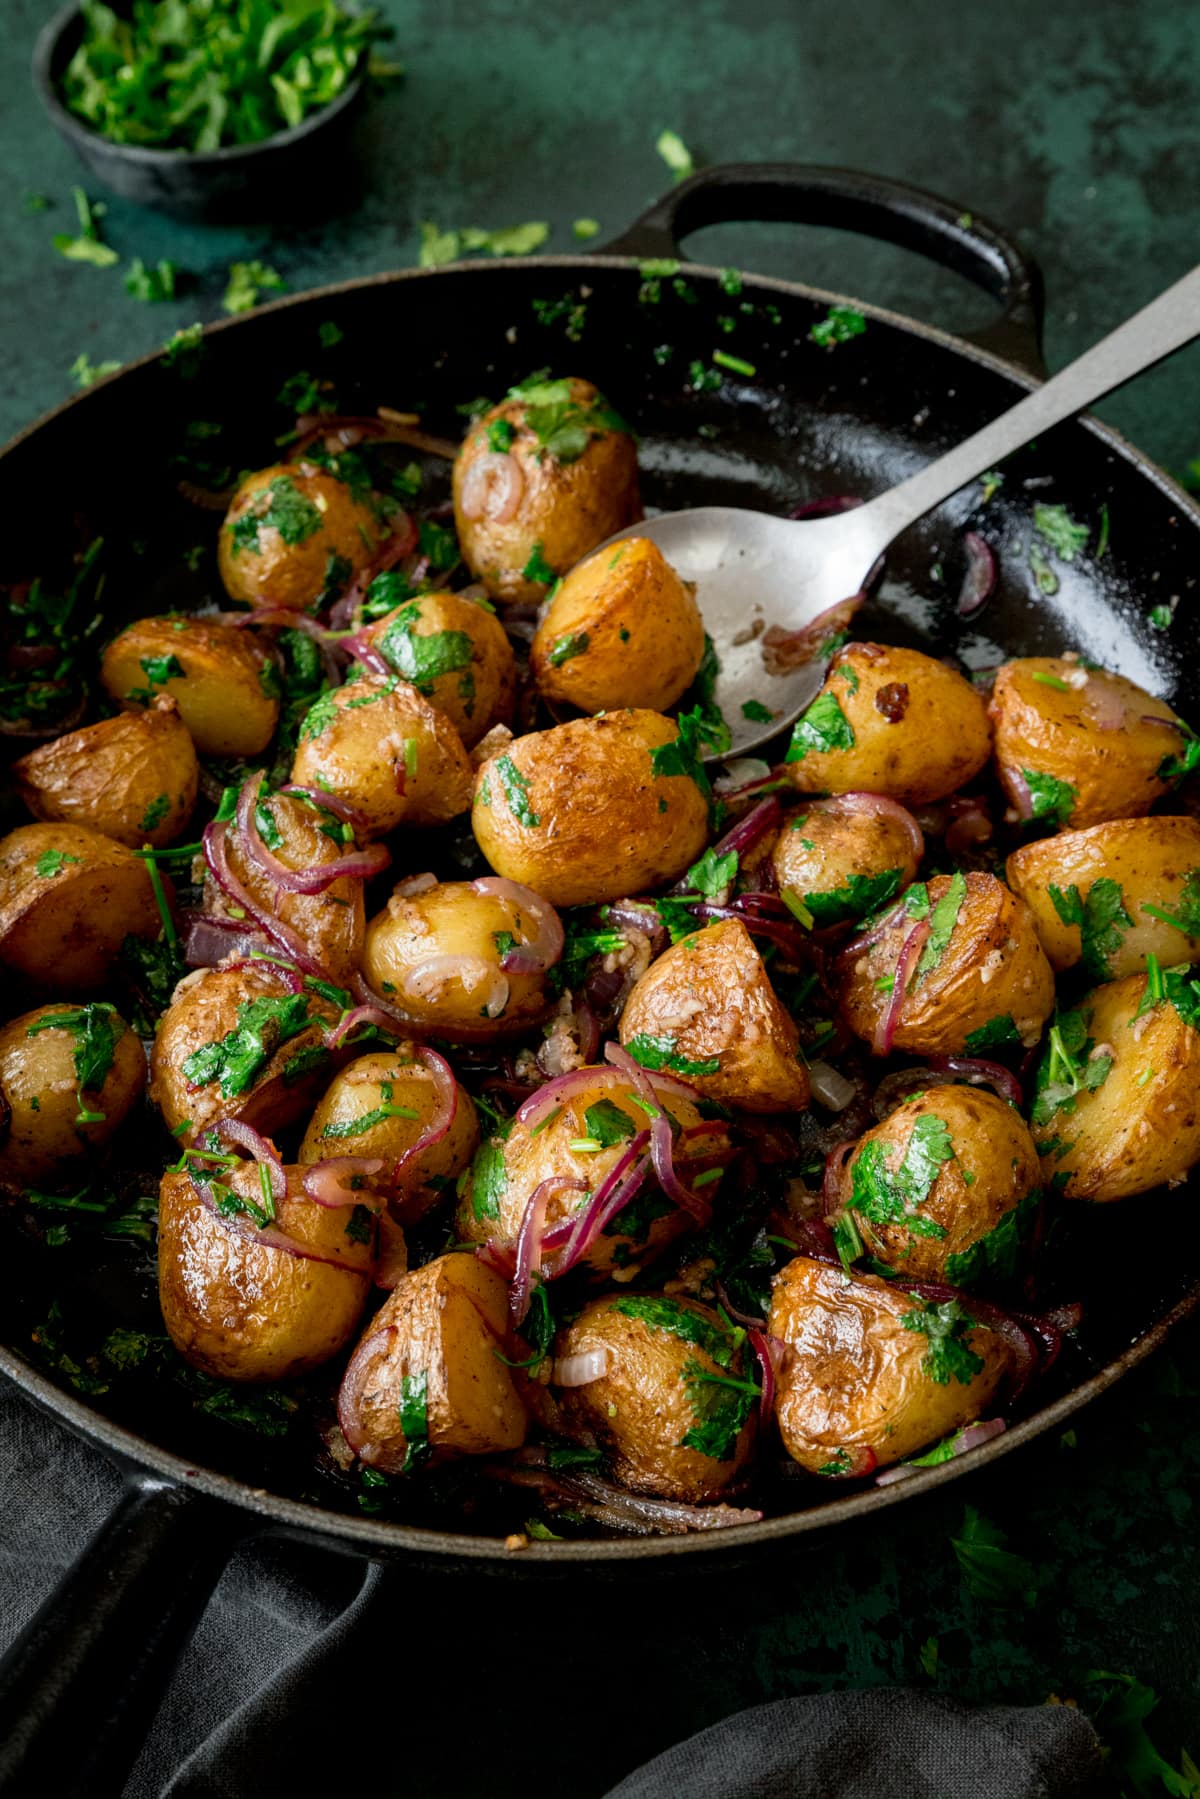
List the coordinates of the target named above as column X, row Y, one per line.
column 242, row 181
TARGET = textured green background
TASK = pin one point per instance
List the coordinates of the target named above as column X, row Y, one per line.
column 1077, row 126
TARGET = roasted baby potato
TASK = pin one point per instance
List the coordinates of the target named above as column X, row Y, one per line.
column 621, row 630
column 383, row 1104
column 945, row 1189
column 588, row 811
column 1077, row 746
column 1117, row 1106
column 69, row 1077
column 387, row 751
column 676, row 1403
column 539, row 481
column 1111, row 895
column 428, row 1379
column 242, row 1310
column 295, row 536
column 844, row 857
column 224, row 682
column 454, row 651
column 236, row 1042
column 69, row 897
column 889, row 721
column 972, row 972
column 871, row 1373
column 706, row 1010
column 134, row 776
column 436, row 955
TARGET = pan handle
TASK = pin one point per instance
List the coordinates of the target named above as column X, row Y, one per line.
column 79, row 1688
column 809, row 194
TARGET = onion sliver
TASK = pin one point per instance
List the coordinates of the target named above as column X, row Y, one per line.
column 357, row 865
column 472, row 973
column 492, row 488
column 832, row 1089
column 582, row 1369
column 544, row 950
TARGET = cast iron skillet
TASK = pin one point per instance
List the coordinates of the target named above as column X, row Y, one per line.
column 809, row 422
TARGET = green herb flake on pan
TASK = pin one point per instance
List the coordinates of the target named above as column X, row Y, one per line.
column 675, row 154
column 991, row 1572
column 736, row 364
column 151, row 284
column 52, row 862
column 86, row 373
column 837, row 327
column 1065, row 537
column 247, row 280
column 755, row 713
column 1175, row 768
column 87, row 246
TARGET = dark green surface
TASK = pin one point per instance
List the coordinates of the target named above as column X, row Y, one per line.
column 1074, row 125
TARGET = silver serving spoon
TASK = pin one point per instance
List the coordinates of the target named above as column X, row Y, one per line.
column 753, row 570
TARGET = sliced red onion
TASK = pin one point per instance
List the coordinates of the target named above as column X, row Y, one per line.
column 336, row 431
column 209, row 940
column 492, row 488
column 401, row 543
column 857, row 945
column 639, row 915
column 355, row 865
column 363, row 1015
column 749, row 830
column 831, row 1179
column 325, row 1182
column 547, row 945
column 582, row 1369
column 390, row 1459
column 981, row 1073
column 971, row 825
column 212, row 499
column 662, row 1155
column 832, row 1089
column 648, row 1084
column 826, row 506
column 572, row 1041
column 785, row 651
column 217, row 857
column 425, row 980
column 268, row 1236
column 283, row 618
column 411, row 885
column 623, row 1182
column 1105, row 704
column 889, row 1018
column 446, row 1089
column 880, row 806
column 770, row 1352
column 529, row 1242
column 979, row 582
column 895, row 1088
column 328, row 802
column 369, row 654
column 1167, row 724
column 1034, row 1343
column 741, row 775
column 972, row 1436
column 1018, row 789
column 235, row 1130
column 557, row 1092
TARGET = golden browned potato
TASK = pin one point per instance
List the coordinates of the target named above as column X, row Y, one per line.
column 890, row 721
column 1117, row 1107
column 222, row 679
column 236, row 1042
column 427, row 1378
column 873, row 1374
column 134, row 776
column 295, row 536
column 69, row 896
column 387, row 751
column 69, row 1077
column 384, row 1104
column 843, row 857
column 1078, row 745
column 242, row 1310
column 539, row 481
column 455, row 651
column 622, row 630
column 705, row 1009
column 1113, row 894
column 436, row 956
column 674, row 1400
column 591, row 810
column 946, row 1188
column 972, row 974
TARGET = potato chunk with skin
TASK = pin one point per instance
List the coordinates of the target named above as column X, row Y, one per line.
column 134, row 777
column 295, row 536
column 859, row 1387
column 890, row 721
column 565, row 481
column 622, row 630
column 580, row 813
column 1078, row 745
column 707, row 1010
column 69, row 897
column 844, row 857
column 387, row 751
column 676, row 1406
column 455, row 651
column 55, row 1123
column 224, row 682
column 427, row 1378
column 1111, row 895
column 246, row 1311
column 974, row 973
column 1117, row 1108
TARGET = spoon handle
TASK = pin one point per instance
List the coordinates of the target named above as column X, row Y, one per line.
column 1156, row 331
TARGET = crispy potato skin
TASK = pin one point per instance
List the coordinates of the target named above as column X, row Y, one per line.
column 601, row 831
column 852, row 1378
column 226, row 694
column 393, row 1077
column 1130, row 1134
column 640, row 629
column 406, row 944
column 243, row 1311
column 116, row 776
column 992, row 1146
column 474, row 696
column 566, row 507
column 710, row 993
column 1056, row 730
column 993, row 966
column 823, row 847
column 937, row 740
column 296, row 575
column 62, row 930
column 1150, row 859
column 640, row 1410
column 354, row 747
column 43, row 1145
column 446, row 1320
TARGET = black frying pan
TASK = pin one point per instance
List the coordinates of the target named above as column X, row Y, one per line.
column 809, row 422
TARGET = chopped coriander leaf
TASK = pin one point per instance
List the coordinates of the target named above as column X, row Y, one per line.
column 731, row 282
column 717, row 734
column 155, row 812
column 991, row 481
column 489, row 1180
column 585, row 228
column 1182, row 988
column 87, row 247
column 721, row 1404
column 286, row 510
column 839, row 325
column 158, row 670
column 756, row 713
column 97, row 1030
column 566, row 648
column 509, row 240
column 516, row 792
column 151, row 284
column 1160, row 616
column 655, row 1052
column 881, row 1195
column 1047, row 581
column 1050, row 797
column 183, row 349
column 718, row 1341
column 675, row 154
column 861, row 895
column 1101, row 919
column 996, row 1255
column 608, row 1124
column 942, row 921
column 366, row 1121
column 329, row 334
column 824, row 727
column 703, row 380
column 52, row 862
column 422, row 660
column 1065, row 537
column 500, row 434
column 1047, row 680
column 1174, row 768
column 85, row 372
column 414, row 1419
column 1067, row 1068
column 247, row 280
column 683, row 755
column 538, row 569
column 998, row 1033
column 713, row 876
column 237, row 1059
column 1185, row 916
column 948, row 1356
column 563, row 425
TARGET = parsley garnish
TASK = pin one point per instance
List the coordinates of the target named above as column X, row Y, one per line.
column 1050, row 797
column 565, row 648
column 839, row 324
column 237, row 1059
column 718, row 1342
column 1067, row 1068
column 948, row 1356
column 52, row 862
column 659, row 1052
column 366, row 1121
column 861, row 894
column 990, row 1572
column 998, row 1033
column 489, row 1181
column 1182, row 987
column 538, row 569
column 1187, row 916
column 942, row 921
column 286, row 511
column 151, row 284
column 1100, row 918
column 516, row 792
column 414, row 1419
column 823, row 727
column 607, row 1124
column 675, row 154
column 996, row 1255
column 1060, row 531
column 155, row 812
column 1174, row 768
column 319, row 717
column 97, row 1030
column 159, row 670
column 423, row 660
column 87, row 247
column 721, row 1404
column 755, row 713
column 885, row 1196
